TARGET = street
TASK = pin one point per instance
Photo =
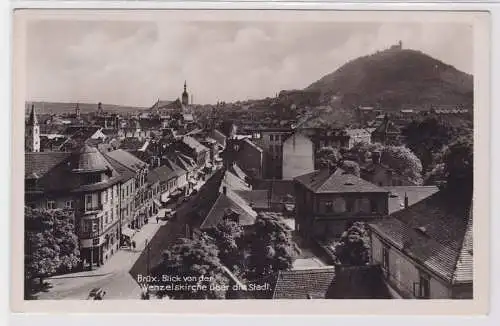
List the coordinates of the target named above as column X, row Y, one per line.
column 118, row 275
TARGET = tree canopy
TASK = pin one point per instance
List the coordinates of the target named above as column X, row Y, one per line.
column 459, row 167
column 51, row 245
column 353, row 247
column 326, row 156
column 428, row 137
column 228, row 237
column 196, row 262
column 271, row 247
column 403, row 160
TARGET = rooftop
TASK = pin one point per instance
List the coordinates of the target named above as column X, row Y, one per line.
column 127, row 159
column 434, row 232
column 322, row 181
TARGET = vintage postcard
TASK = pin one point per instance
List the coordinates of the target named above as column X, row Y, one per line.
column 191, row 161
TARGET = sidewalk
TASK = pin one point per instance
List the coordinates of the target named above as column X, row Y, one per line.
column 123, row 259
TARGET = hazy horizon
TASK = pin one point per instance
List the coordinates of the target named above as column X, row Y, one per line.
column 136, row 63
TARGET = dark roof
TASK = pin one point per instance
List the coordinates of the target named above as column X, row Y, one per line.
column 322, row 181
column 32, row 120
column 127, row 159
column 161, row 174
column 64, row 168
column 303, row 284
column 432, row 232
column 414, row 194
column 37, row 164
column 226, row 203
column 177, row 170
column 90, row 160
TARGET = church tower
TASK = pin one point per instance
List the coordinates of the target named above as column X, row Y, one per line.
column 185, row 96
column 77, row 111
column 32, row 133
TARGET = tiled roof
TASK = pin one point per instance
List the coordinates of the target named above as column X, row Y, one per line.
column 161, row 174
column 236, row 170
column 414, row 193
column 303, row 284
column 177, row 170
column 91, row 160
column 233, row 182
column 194, row 144
column 127, row 159
column 432, row 232
column 225, row 204
column 321, row 181
column 38, row 164
column 464, row 268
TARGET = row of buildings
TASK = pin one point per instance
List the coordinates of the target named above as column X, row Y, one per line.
column 112, row 183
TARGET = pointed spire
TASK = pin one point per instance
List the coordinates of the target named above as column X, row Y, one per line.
column 32, row 121
column 185, row 86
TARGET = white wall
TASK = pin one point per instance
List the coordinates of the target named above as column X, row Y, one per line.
column 298, row 156
column 403, row 273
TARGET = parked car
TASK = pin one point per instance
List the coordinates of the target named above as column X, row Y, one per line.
column 96, row 294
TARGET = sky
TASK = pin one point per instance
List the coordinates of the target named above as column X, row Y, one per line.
column 135, row 63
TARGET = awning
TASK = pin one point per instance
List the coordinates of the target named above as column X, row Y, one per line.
column 128, row 232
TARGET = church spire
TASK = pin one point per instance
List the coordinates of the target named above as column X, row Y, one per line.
column 33, row 120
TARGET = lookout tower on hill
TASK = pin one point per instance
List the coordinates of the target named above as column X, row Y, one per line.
column 398, row 46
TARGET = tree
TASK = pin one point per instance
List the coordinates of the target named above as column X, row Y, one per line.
column 228, row 237
column 351, row 167
column 403, row 160
column 327, row 156
column 459, row 168
column 197, row 264
column 353, row 248
column 430, row 135
column 271, row 247
column 51, row 244
column 363, row 151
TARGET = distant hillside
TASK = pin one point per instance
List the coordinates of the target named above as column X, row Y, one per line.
column 392, row 79
column 59, row 107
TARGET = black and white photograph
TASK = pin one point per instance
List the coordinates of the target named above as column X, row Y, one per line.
column 176, row 157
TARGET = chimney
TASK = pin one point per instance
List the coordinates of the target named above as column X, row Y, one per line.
column 224, row 190
column 376, row 157
column 406, row 200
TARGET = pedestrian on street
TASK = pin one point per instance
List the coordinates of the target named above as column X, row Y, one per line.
column 157, row 220
column 133, row 245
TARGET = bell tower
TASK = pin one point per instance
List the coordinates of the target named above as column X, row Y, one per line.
column 32, row 133
column 185, row 96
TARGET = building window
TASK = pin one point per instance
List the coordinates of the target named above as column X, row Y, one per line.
column 68, row 204
column 88, row 202
column 422, row 288
column 329, row 207
column 94, row 225
column 385, row 259
column 104, row 196
column 373, row 206
column 106, row 218
column 51, row 204
column 350, row 207
column 271, row 137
